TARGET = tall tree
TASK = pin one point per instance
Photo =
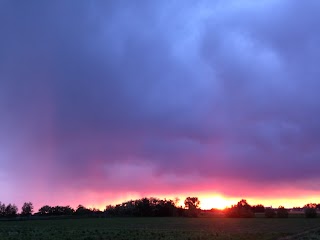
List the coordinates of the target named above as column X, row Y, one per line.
column 27, row 209
column 2, row 209
column 81, row 210
column 241, row 209
column 192, row 204
column 45, row 210
column 11, row 210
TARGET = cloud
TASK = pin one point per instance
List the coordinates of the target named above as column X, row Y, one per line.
column 94, row 92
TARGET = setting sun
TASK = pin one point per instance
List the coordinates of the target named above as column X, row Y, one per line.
column 218, row 202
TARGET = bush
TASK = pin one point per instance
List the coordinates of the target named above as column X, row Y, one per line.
column 241, row 210
column 258, row 208
column 282, row 212
column 270, row 213
column 310, row 212
column 234, row 213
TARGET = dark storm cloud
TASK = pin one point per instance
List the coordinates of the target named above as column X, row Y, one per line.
column 224, row 89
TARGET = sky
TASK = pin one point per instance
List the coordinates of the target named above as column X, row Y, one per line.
column 106, row 101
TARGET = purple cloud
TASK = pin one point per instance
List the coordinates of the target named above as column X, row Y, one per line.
column 207, row 91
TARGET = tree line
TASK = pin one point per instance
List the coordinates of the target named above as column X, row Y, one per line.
column 152, row 207
column 244, row 210
column 11, row 210
column 144, row 207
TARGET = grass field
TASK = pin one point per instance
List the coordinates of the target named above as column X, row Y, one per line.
column 158, row 228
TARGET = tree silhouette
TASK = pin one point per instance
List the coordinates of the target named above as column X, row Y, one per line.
column 145, row 207
column 82, row 211
column 45, row 210
column 2, row 210
column 258, row 208
column 310, row 210
column 282, row 212
column 11, row 211
column 192, row 204
column 242, row 209
column 27, row 209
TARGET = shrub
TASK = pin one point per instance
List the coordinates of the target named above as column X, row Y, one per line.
column 310, row 212
column 270, row 213
column 239, row 213
column 282, row 212
column 241, row 210
column 258, row 208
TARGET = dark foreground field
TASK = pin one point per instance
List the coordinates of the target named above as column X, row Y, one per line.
column 158, row 228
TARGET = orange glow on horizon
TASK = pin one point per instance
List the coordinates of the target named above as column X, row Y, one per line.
column 215, row 200
column 218, row 202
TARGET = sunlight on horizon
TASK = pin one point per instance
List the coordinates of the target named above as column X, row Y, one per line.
column 217, row 201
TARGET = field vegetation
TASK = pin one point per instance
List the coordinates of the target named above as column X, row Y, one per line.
column 152, row 218
column 156, row 228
